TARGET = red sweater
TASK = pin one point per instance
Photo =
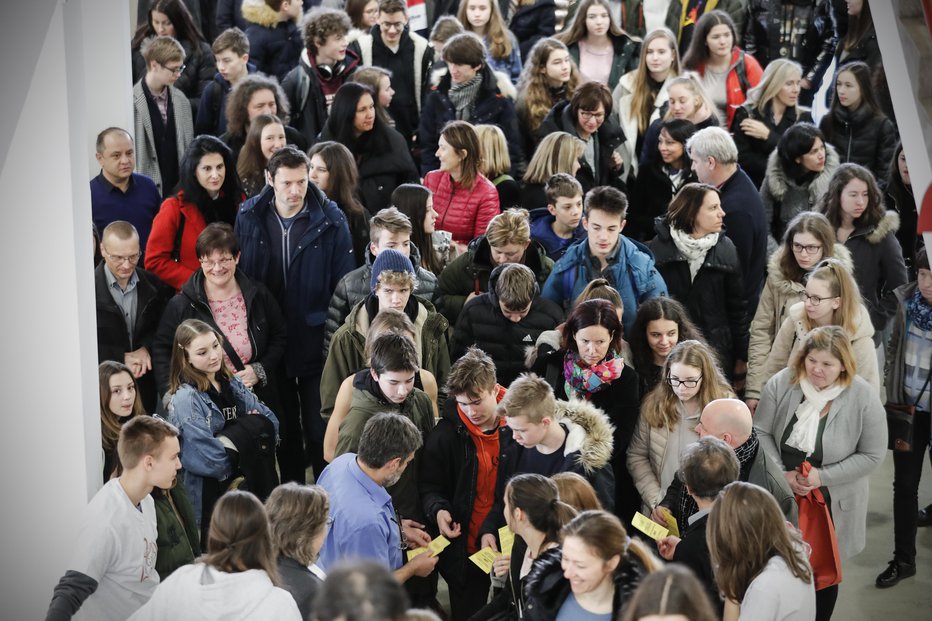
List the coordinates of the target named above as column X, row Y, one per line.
column 162, row 241
column 735, row 96
column 464, row 213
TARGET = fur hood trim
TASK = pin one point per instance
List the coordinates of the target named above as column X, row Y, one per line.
column 258, row 12
column 778, row 183
column 505, row 87
column 890, row 223
column 590, row 433
column 783, row 284
column 864, row 327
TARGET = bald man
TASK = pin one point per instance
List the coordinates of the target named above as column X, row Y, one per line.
column 730, row 420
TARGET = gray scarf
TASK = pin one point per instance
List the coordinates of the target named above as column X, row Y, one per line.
column 463, row 97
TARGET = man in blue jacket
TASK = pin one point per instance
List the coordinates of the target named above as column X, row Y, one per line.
column 296, row 241
column 628, row 265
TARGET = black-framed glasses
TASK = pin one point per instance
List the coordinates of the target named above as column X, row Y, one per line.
column 586, row 114
column 676, row 382
column 175, row 70
column 814, row 299
column 207, row 263
column 808, row 249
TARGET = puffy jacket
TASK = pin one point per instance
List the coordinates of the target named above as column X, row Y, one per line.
column 274, row 46
column 264, row 320
column 736, row 88
column 178, row 540
column 625, row 58
column 309, row 110
column 779, row 294
column 651, row 197
column 324, row 257
column 491, row 107
column 623, row 95
column 768, row 35
column 532, row 22
column 465, row 213
column 354, row 288
column 481, row 323
column 610, row 137
column 633, row 274
column 469, row 273
column 651, row 459
column 783, row 198
column 161, row 243
column 863, row 137
column 753, row 153
column 789, row 341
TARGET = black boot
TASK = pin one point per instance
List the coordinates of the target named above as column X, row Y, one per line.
column 925, row 516
column 895, row 572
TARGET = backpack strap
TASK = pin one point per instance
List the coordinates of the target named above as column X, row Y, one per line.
column 742, row 70
column 179, row 233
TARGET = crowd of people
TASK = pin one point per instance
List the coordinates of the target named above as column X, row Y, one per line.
column 572, row 304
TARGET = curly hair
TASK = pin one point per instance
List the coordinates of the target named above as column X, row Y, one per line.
column 238, row 101
column 322, row 23
column 534, row 100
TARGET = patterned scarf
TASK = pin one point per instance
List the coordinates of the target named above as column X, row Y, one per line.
column 919, row 311
column 693, row 249
column 463, row 97
column 583, row 381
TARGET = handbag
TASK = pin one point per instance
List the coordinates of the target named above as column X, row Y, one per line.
column 818, row 531
column 900, row 417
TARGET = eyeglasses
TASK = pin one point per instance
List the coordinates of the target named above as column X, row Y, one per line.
column 814, row 299
column 224, row 262
column 688, row 383
column 589, row 116
column 175, row 70
column 399, row 26
column 812, row 249
column 119, row 260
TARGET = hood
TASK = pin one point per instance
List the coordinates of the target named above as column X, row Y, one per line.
column 505, row 87
column 783, row 284
column 589, row 433
column 863, row 328
column 258, row 12
column 221, row 595
column 778, row 183
column 890, row 223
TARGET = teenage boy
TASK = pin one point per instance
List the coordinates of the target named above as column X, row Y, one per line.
column 162, row 115
column 559, row 225
column 112, row 572
column 325, row 65
column 274, row 36
column 392, row 45
column 388, row 229
column 550, row 436
column 458, row 475
column 628, row 265
column 507, row 320
column 231, row 53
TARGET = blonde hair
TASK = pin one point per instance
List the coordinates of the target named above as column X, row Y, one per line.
column 830, row 339
column 775, row 75
column 529, row 396
column 181, row 371
column 512, row 226
column 494, row 150
column 576, row 491
column 556, row 153
column 691, row 82
column 396, row 279
column 660, row 406
column 642, row 97
column 841, row 284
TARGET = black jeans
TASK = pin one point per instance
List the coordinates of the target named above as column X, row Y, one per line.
column 907, row 469
column 469, row 592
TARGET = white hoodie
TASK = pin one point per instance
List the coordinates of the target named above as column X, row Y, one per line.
column 202, row 593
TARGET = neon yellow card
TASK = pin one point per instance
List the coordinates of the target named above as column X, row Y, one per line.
column 672, row 526
column 647, row 526
column 484, row 559
column 507, row 539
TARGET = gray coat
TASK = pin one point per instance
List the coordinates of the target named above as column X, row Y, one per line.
column 146, row 154
column 894, row 373
column 854, row 444
column 783, row 198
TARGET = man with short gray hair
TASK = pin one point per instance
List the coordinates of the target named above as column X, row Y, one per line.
column 715, row 159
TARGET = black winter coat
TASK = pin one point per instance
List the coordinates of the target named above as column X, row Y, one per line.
column 481, row 323
column 306, row 98
column 862, row 137
column 651, row 196
column 753, row 152
column 274, row 46
column 746, row 225
column 266, row 329
column 715, row 298
column 767, row 35
column 112, row 339
column 610, row 136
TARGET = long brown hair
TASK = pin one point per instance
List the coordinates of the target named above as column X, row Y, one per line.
column 110, row 423
column 534, row 100
column 539, row 499
column 577, row 29
column 830, row 205
column 180, row 369
column 251, row 162
column 816, row 225
column 697, row 54
column 746, row 528
column 462, row 136
column 672, row 590
column 239, row 538
column 642, row 95
column 496, row 32
column 344, row 176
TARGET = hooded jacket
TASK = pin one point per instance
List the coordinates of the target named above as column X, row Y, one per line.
column 274, row 45
column 470, row 271
column 783, row 197
column 789, row 341
column 216, row 594
column 587, row 452
column 715, row 297
column 481, row 323
column 779, row 295
column 863, row 137
column 355, row 286
column 754, row 153
column 542, row 232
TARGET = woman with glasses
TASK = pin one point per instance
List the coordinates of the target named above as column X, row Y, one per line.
column 809, row 238
column 830, row 298
column 821, row 410
column 701, row 268
column 690, row 380
column 209, row 191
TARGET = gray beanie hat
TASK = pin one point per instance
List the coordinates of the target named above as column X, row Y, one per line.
column 389, row 261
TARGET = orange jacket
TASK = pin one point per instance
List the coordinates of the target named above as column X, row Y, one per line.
column 737, row 92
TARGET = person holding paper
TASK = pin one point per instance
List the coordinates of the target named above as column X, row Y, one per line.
column 458, row 475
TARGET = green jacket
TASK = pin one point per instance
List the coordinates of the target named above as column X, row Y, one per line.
column 346, row 356
column 419, row 409
column 626, row 57
column 178, row 538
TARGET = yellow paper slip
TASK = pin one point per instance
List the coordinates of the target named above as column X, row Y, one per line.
column 672, row 526
column 507, row 539
column 650, row 528
column 416, row 552
column 484, row 559
column 435, row 547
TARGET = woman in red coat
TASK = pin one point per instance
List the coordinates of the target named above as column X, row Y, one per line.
column 209, row 191
column 464, row 199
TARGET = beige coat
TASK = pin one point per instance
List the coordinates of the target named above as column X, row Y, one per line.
column 622, row 97
column 790, row 338
column 654, row 456
column 779, row 294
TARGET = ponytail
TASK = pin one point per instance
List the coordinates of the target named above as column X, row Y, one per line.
column 539, row 498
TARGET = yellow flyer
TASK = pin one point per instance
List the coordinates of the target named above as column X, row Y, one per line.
column 647, row 526
column 416, row 552
column 484, row 559
column 672, row 526
column 507, row 539
column 438, row 545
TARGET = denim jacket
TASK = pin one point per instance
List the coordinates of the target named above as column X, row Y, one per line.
column 199, row 419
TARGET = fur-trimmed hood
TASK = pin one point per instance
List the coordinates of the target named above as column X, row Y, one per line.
column 778, row 183
column 258, row 12
column 890, row 223
column 786, row 286
column 589, row 433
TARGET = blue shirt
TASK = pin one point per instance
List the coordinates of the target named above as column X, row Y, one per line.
column 365, row 525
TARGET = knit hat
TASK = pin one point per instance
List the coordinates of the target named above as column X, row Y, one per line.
column 389, row 261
